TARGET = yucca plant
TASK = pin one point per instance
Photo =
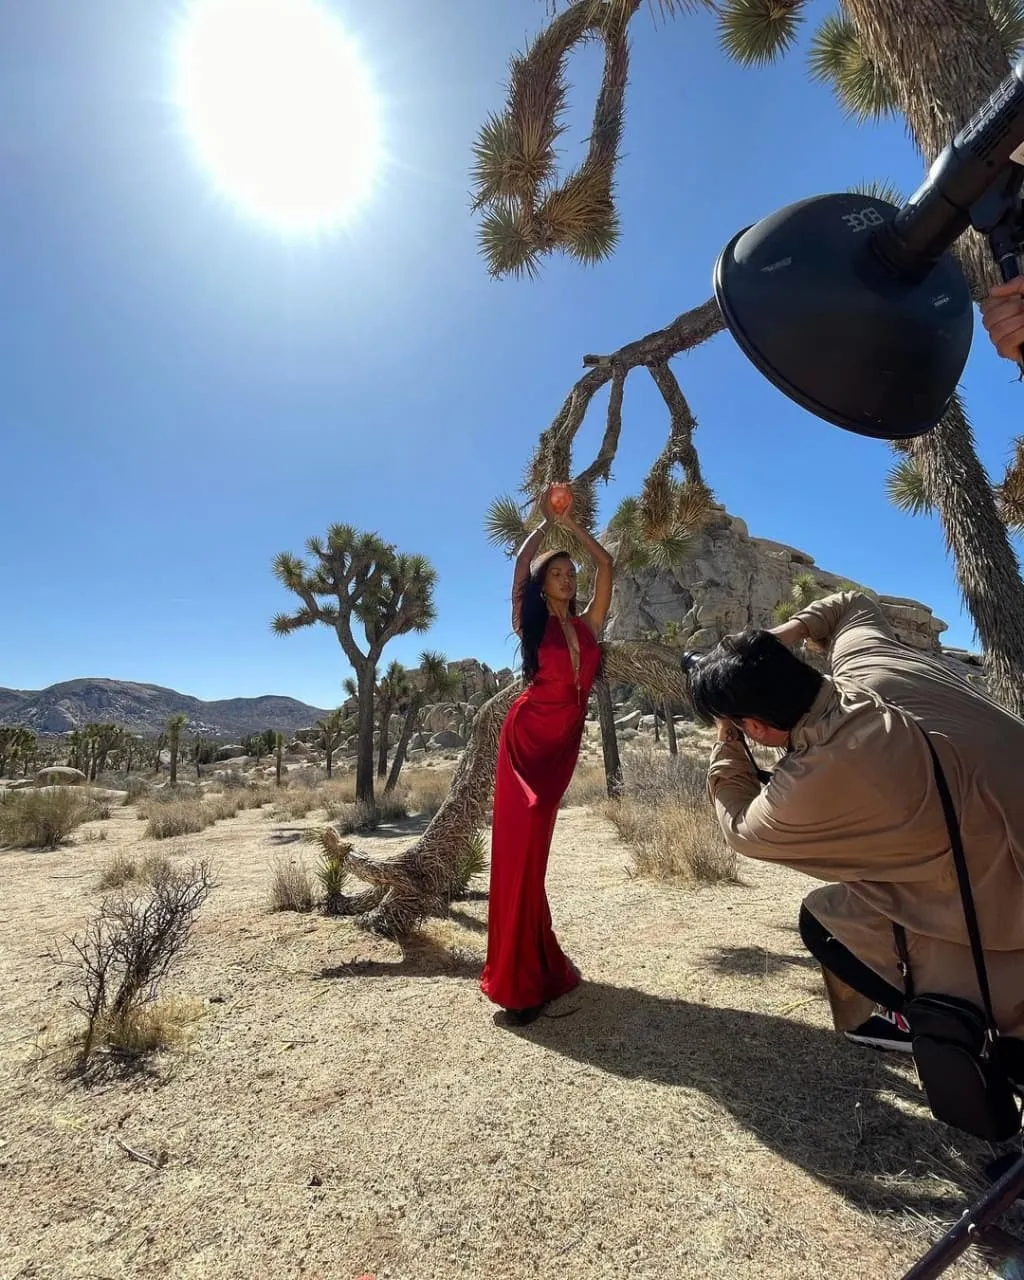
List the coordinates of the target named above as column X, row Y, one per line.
column 471, row 861
column 332, row 876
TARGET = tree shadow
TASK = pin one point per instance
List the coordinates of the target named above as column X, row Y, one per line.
column 422, row 957
column 286, row 835
column 467, row 921
column 755, row 962
column 398, row 830
column 838, row 1112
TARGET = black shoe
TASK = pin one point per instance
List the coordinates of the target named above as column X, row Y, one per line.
column 884, row 1030
column 523, row 1017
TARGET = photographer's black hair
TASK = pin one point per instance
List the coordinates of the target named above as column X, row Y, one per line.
column 753, row 674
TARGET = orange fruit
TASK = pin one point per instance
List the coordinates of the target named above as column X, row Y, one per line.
column 560, row 497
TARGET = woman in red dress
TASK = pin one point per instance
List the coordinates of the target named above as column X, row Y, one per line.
column 537, row 754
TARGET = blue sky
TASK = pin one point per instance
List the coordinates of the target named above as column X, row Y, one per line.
column 186, row 393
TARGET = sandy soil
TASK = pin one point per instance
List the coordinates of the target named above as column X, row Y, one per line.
column 347, row 1107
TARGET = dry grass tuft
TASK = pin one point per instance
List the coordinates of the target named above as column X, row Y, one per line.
column 164, row 1024
column 42, row 819
column 665, row 817
column 171, row 818
column 120, row 870
column 349, row 819
column 169, row 815
column 291, row 888
column 426, row 790
column 588, row 786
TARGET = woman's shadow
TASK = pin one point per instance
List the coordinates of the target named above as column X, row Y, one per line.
column 806, row 1093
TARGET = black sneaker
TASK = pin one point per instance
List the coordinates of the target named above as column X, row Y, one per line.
column 884, row 1030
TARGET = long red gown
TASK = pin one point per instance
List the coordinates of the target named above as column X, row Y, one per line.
column 540, row 742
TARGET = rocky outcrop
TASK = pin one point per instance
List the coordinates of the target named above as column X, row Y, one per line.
column 730, row 581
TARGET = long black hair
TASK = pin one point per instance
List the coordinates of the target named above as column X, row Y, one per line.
column 533, row 612
column 753, row 675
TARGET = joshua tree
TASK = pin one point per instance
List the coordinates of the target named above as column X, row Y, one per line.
column 278, row 753
column 358, row 576
column 18, row 745
column 434, row 680
column 393, row 689
column 331, row 730
column 173, row 727
column 934, row 61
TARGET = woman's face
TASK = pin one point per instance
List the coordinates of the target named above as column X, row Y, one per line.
column 560, row 580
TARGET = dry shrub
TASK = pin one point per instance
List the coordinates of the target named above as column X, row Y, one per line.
column 152, row 867
column 221, row 806
column 426, row 790
column 170, row 818
column 253, row 797
column 42, row 819
column 337, row 793
column 351, row 818
column 291, row 888
column 125, row 952
column 120, row 870
column 135, row 789
column 359, row 816
column 588, row 785
column 391, row 808
column 665, row 816
column 299, row 802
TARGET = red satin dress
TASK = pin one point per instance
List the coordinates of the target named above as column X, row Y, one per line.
column 537, row 753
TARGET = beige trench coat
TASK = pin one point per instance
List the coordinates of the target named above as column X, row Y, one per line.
column 854, row 802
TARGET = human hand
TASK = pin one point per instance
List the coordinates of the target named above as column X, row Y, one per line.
column 726, row 731
column 1002, row 314
column 790, row 633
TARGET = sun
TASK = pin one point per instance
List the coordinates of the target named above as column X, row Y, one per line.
column 280, row 109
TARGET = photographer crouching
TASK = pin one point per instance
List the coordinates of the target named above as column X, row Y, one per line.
column 857, row 801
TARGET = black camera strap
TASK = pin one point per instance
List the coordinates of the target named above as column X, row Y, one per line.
column 966, row 895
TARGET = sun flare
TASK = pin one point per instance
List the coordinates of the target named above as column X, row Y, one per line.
column 280, row 109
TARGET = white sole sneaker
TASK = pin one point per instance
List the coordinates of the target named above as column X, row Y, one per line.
column 873, row 1042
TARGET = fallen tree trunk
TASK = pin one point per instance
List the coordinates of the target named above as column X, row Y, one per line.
column 412, row 885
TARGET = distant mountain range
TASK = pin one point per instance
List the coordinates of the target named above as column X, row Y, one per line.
column 144, row 709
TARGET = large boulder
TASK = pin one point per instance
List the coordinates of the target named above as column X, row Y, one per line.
column 59, row 775
column 233, row 751
column 446, row 740
column 729, row 581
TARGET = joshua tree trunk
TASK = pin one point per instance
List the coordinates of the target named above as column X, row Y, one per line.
column 670, row 728
column 364, row 742
column 412, row 884
column 278, row 752
column 330, row 757
column 382, row 743
column 945, row 58
column 408, row 724
column 609, row 739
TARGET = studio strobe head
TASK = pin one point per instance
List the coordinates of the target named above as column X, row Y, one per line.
column 825, row 318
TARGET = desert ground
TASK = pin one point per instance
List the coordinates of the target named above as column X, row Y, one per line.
column 346, row 1106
